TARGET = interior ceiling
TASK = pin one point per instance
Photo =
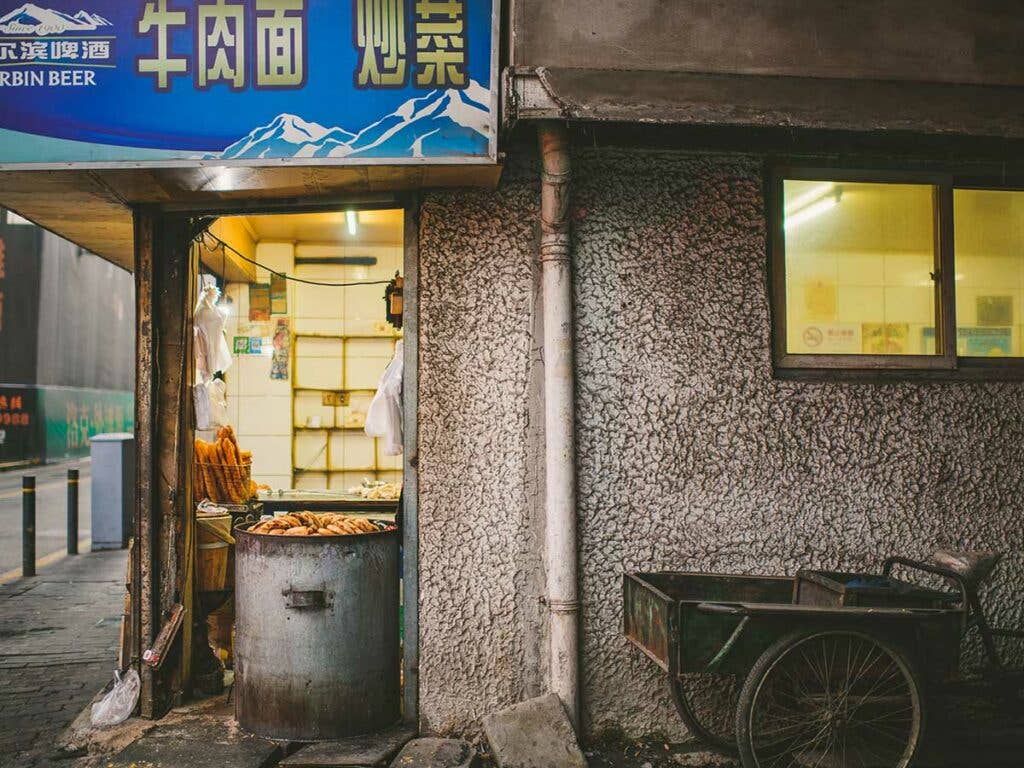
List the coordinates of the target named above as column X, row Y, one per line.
column 383, row 227
column 92, row 208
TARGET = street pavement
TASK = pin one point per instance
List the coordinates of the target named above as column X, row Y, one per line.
column 59, row 634
column 51, row 513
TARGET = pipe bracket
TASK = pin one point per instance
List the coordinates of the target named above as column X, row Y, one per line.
column 563, row 606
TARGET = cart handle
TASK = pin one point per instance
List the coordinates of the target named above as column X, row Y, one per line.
column 732, row 610
column 931, row 568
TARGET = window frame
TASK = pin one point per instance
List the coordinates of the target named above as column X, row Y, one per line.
column 945, row 364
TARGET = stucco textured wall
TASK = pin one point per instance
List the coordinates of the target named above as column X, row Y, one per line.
column 690, row 455
column 478, row 515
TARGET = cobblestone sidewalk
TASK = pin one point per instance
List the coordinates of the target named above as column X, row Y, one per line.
column 58, row 647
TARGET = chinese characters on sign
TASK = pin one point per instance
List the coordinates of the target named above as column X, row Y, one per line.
column 82, row 422
column 280, row 43
column 380, row 40
column 55, row 50
column 279, row 58
column 221, row 52
column 13, row 412
column 440, row 44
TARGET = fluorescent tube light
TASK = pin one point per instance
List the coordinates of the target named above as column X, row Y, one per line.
column 812, row 210
column 812, row 195
column 350, row 217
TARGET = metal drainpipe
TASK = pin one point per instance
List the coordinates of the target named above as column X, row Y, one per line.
column 559, row 418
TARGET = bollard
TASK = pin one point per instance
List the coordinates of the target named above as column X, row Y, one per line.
column 28, row 525
column 72, row 511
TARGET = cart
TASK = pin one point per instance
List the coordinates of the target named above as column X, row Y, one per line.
column 826, row 668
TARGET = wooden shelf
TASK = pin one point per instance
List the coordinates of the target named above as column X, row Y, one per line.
column 345, row 337
column 337, row 470
column 328, row 429
column 328, row 389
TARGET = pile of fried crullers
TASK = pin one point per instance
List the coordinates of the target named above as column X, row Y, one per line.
column 313, row 524
column 222, row 470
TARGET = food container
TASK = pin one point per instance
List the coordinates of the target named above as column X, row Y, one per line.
column 316, row 634
column 213, row 561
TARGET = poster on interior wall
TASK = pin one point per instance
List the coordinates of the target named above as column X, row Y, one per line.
column 829, row 339
column 240, row 345
column 994, row 310
column 975, row 342
column 185, row 83
column 259, row 302
column 278, row 294
column 282, row 345
column 885, row 338
column 984, row 342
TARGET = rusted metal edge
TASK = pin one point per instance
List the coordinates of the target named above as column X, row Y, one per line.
column 760, row 101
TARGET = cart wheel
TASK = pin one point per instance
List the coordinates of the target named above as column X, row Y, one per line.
column 836, row 698
column 714, row 697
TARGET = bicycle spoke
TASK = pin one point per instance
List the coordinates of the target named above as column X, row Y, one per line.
column 834, row 700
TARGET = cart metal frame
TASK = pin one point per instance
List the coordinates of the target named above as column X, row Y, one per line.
column 701, row 623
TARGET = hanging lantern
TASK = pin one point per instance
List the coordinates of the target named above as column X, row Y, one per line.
column 393, row 302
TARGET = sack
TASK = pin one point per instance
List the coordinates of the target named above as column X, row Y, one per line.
column 211, row 404
column 218, row 394
column 201, row 401
column 118, row 705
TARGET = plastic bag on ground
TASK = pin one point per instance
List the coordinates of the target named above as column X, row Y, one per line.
column 118, row 705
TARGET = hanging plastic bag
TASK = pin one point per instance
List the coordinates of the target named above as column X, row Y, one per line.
column 201, row 401
column 217, row 392
column 119, row 703
column 211, row 348
column 211, row 403
column 384, row 416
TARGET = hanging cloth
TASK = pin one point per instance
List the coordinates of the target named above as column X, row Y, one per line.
column 211, row 344
column 384, row 417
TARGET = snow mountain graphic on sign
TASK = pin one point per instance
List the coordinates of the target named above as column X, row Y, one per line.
column 288, row 136
column 441, row 122
column 31, row 19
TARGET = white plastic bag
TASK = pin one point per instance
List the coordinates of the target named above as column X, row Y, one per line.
column 211, row 402
column 218, row 393
column 384, row 416
column 118, row 705
column 201, row 400
column 211, row 348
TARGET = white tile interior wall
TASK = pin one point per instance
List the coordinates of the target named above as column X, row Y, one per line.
column 261, row 408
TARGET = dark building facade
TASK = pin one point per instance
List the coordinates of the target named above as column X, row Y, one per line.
column 66, row 345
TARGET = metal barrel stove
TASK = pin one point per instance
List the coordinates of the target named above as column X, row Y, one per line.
column 316, row 634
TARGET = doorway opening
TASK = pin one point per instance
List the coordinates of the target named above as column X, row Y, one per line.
column 307, row 311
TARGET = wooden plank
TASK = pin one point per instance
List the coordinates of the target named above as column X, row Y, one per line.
column 143, row 575
column 170, row 437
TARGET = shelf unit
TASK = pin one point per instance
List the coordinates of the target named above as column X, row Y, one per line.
column 345, row 393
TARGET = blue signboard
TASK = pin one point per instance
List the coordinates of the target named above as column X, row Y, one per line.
column 247, row 82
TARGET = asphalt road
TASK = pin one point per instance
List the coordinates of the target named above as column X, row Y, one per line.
column 51, row 513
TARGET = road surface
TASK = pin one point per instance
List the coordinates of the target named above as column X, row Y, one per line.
column 51, row 513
